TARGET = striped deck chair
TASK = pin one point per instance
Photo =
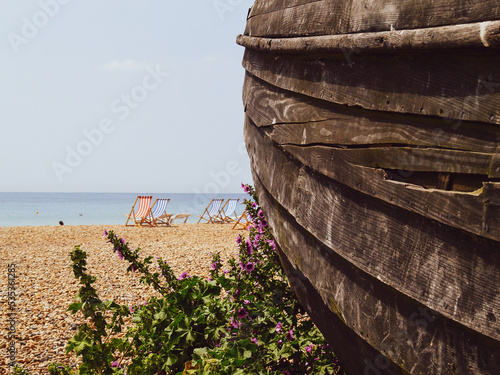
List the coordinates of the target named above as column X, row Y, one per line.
column 243, row 221
column 212, row 211
column 159, row 212
column 227, row 211
column 143, row 213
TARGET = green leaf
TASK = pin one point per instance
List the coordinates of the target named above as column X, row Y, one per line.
column 171, row 360
column 75, row 307
column 79, row 345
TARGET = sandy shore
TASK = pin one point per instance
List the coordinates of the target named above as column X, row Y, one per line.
column 45, row 284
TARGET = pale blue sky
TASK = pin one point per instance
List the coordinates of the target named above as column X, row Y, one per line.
column 122, row 96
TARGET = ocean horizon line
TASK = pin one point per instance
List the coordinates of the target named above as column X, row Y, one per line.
column 78, row 208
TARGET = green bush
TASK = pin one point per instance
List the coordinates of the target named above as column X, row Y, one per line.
column 243, row 319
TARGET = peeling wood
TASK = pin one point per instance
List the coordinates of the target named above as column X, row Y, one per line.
column 455, row 87
column 410, row 253
column 410, row 334
column 303, row 120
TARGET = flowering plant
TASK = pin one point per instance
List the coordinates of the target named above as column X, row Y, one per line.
column 243, row 319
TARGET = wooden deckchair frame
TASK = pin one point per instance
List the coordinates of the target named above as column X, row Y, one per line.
column 211, row 217
column 143, row 219
column 239, row 222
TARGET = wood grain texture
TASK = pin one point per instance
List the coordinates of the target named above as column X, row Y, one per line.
column 340, row 96
column 330, row 17
column 309, row 18
column 269, row 6
column 447, row 270
column 358, row 313
column 405, row 158
column 298, row 119
column 453, row 87
column 483, row 35
column 460, row 210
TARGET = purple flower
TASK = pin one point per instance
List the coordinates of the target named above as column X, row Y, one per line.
column 114, row 364
column 131, row 309
column 308, row 348
column 254, row 340
column 260, row 214
column 246, row 302
column 234, row 323
column 120, row 255
column 249, row 267
column 238, row 239
column 249, row 247
column 122, row 240
column 246, row 188
column 133, row 268
column 238, row 291
column 289, row 335
column 184, row 275
column 105, row 232
column 278, row 327
column 242, row 313
column 272, row 244
column 213, row 266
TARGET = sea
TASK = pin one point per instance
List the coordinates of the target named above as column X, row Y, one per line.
column 39, row 209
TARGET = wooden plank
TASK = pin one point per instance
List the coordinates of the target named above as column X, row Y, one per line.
column 457, row 209
column 330, row 17
column 409, row 14
column 452, row 87
column 460, row 210
column 351, row 307
column 262, row 7
column 481, row 35
column 447, row 270
column 310, row 18
column 495, row 164
column 405, row 158
column 491, row 220
column 299, row 119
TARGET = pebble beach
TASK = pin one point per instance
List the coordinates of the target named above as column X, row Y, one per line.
column 45, row 285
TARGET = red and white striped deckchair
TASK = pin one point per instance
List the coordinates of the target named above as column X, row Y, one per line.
column 143, row 214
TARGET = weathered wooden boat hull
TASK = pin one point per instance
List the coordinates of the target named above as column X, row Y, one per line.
column 375, row 154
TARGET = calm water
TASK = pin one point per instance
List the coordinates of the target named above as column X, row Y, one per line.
column 21, row 209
